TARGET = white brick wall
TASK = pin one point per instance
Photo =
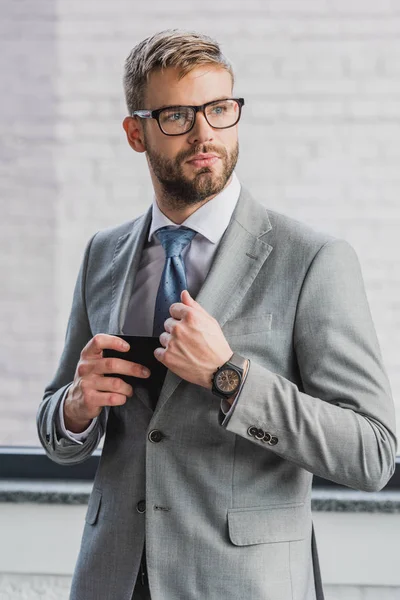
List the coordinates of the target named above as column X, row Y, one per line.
column 319, row 140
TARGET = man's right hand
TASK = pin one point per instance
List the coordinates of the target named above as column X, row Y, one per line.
column 90, row 390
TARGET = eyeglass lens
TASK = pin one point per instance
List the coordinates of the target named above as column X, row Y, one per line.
column 219, row 114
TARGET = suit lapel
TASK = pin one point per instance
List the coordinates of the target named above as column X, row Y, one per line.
column 240, row 255
column 124, row 268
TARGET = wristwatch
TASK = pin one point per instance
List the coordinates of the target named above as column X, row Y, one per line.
column 227, row 379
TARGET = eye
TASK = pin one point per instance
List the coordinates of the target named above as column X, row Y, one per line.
column 218, row 110
column 175, row 116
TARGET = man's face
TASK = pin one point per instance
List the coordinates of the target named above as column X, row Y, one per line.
column 185, row 183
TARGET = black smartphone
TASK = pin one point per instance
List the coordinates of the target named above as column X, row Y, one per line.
column 141, row 351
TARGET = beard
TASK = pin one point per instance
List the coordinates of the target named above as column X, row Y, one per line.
column 177, row 189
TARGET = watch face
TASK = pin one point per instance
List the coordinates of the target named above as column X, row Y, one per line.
column 227, row 380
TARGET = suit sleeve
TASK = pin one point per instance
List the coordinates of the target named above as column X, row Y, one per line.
column 339, row 423
column 58, row 447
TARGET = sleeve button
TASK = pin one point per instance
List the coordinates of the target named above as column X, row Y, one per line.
column 273, row 441
column 252, row 431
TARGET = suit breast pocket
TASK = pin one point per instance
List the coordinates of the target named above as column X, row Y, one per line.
column 270, row 524
column 242, row 326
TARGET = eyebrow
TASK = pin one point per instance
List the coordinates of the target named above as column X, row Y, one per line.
column 173, row 105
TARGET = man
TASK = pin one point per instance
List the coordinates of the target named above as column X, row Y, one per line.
column 274, row 371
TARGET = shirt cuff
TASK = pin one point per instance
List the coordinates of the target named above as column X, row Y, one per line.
column 79, row 438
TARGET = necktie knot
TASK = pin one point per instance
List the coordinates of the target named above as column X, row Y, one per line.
column 175, row 239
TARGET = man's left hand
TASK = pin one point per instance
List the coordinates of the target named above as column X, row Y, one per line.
column 194, row 345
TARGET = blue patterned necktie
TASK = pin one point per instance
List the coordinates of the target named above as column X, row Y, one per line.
column 173, row 278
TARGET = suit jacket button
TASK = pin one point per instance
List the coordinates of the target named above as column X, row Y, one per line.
column 260, row 434
column 252, row 430
column 267, row 437
column 273, row 441
column 155, row 436
column 141, row 506
column 47, row 437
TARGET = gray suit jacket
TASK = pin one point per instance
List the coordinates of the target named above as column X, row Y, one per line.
column 227, row 514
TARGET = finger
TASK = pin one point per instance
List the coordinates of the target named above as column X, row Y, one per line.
column 178, row 310
column 120, row 366
column 100, row 342
column 169, row 323
column 189, row 301
column 159, row 354
column 108, row 399
column 112, row 384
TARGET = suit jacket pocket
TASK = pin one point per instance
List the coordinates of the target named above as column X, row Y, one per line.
column 93, row 506
column 269, row 524
column 246, row 325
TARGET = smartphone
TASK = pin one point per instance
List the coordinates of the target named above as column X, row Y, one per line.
column 141, row 351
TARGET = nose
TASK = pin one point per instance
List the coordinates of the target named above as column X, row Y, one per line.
column 201, row 131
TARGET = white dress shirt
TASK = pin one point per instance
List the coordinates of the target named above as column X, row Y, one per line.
column 210, row 221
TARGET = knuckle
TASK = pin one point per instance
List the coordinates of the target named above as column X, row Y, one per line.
column 116, row 384
column 96, row 341
column 176, row 329
column 81, row 369
column 84, row 386
column 110, row 364
column 117, row 399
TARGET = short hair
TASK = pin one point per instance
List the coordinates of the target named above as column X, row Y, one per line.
column 169, row 48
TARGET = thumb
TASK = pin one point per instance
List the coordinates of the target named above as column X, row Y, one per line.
column 186, row 298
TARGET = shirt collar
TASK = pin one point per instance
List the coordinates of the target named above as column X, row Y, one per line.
column 211, row 219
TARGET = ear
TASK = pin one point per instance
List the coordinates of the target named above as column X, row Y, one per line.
column 134, row 133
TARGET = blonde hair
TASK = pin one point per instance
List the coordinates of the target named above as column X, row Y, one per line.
column 169, row 48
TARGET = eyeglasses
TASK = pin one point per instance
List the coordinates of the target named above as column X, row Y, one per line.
column 176, row 120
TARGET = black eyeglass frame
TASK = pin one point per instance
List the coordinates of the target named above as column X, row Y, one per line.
column 155, row 114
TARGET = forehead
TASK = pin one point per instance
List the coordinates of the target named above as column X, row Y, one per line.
column 201, row 85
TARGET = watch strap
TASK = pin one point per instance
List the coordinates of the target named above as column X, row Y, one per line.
column 239, row 363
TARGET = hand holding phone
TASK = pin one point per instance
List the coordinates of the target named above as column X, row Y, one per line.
column 93, row 388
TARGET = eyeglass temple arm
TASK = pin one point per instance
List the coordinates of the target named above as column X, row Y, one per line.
column 144, row 114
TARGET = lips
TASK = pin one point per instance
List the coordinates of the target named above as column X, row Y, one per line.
column 203, row 160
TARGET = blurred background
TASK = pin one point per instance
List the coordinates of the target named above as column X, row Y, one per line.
column 319, row 141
